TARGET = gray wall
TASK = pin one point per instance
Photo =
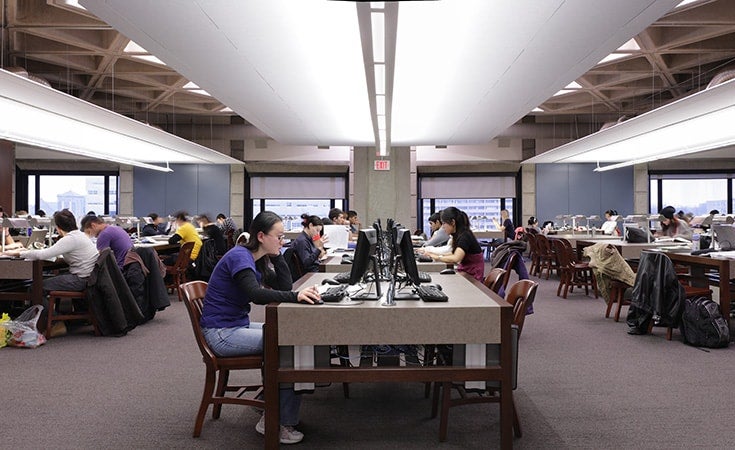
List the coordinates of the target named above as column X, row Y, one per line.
column 577, row 189
column 190, row 187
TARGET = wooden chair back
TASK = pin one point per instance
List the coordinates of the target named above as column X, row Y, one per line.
column 521, row 295
column 494, row 279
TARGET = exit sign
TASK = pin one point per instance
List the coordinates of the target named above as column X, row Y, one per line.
column 382, row 164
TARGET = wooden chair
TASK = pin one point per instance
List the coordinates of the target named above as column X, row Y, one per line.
column 510, row 265
column 75, row 298
column 547, row 258
column 177, row 272
column 572, row 274
column 532, row 252
column 494, row 279
column 218, row 368
column 617, row 297
column 521, row 295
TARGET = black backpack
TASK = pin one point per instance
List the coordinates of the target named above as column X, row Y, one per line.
column 702, row 324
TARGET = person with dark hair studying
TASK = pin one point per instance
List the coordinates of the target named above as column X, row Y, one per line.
column 111, row 236
column 153, row 228
column 74, row 246
column 308, row 245
column 466, row 251
column 671, row 226
column 253, row 273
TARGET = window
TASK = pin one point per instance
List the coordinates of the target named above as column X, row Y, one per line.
column 291, row 210
column 695, row 193
column 79, row 193
column 483, row 198
column 292, row 196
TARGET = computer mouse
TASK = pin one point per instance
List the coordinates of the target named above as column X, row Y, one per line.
column 447, row 272
column 318, row 302
column 438, row 286
column 330, row 281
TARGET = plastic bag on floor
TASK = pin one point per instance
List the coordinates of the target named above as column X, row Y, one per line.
column 3, row 331
column 23, row 330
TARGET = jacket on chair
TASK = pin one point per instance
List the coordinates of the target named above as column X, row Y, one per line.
column 112, row 302
column 657, row 289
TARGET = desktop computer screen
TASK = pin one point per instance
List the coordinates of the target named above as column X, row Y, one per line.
column 367, row 240
column 404, row 246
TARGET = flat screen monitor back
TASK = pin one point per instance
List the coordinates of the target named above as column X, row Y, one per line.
column 725, row 235
column 408, row 260
column 367, row 240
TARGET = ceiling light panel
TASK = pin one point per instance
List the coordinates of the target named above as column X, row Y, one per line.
column 459, row 79
column 293, row 69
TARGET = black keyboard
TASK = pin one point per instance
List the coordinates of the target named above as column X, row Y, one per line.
column 424, row 277
column 431, row 293
column 334, row 293
column 342, row 277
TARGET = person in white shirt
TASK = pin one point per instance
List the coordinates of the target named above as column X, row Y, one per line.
column 78, row 251
column 611, row 224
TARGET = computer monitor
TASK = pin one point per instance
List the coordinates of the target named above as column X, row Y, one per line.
column 367, row 240
column 404, row 246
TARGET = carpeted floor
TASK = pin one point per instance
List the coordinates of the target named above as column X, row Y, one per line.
column 583, row 383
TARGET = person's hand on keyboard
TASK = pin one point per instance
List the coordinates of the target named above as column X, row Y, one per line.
column 309, row 295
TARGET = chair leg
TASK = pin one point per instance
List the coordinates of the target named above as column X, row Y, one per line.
column 206, row 400
column 224, row 378
column 49, row 317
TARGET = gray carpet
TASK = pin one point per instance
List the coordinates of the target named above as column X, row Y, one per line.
column 584, row 383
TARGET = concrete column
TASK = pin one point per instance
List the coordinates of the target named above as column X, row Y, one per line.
column 7, row 176
column 237, row 194
column 641, row 188
column 384, row 194
column 528, row 192
column 126, row 206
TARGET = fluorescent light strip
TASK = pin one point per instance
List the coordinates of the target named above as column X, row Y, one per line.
column 37, row 115
column 378, row 27
column 700, row 122
column 379, row 79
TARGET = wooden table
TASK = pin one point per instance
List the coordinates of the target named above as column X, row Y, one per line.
column 474, row 316
column 22, row 269
column 698, row 265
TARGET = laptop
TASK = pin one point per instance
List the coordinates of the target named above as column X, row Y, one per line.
column 725, row 236
column 36, row 240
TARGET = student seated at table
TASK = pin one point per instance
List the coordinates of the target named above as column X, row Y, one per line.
column 308, row 246
column 214, row 232
column 111, row 236
column 671, row 226
column 185, row 232
column 439, row 237
column 153, row 228
column 610, row 226
column 226, row 223
column 532, row 226
column 466, row 251
column 254, row 273
column 78, row 251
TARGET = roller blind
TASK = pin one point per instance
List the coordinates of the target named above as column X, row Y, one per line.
column 468, row 187
column 297, row 187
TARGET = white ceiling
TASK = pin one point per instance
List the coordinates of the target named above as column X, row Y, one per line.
column 465, row 70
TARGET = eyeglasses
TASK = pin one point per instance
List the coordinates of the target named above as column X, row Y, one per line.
column 280, row 237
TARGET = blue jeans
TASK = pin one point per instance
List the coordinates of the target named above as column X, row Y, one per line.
column 243, row 341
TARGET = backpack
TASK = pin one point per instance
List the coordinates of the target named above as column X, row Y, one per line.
column 702, row 325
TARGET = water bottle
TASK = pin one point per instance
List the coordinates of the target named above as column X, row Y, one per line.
column 695, row 242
